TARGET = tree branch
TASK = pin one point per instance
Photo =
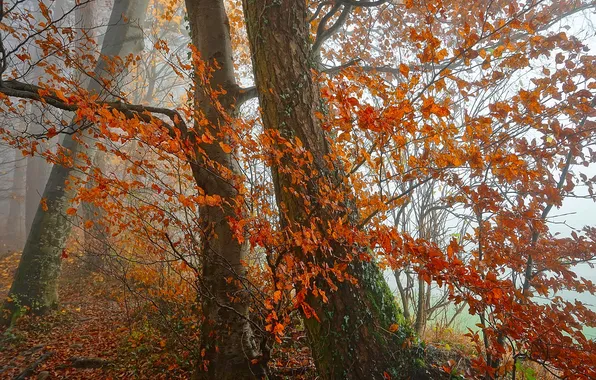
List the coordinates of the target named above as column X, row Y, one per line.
column 363, row 3
column 130, row 111
column 318, row 10
column 245, row 94
column 322, row 33
column 393, row 199
column 535, row 234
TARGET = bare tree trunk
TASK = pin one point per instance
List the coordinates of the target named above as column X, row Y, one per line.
column 38, row 169
column 96, row 244
column 15, row 223
column 37, row 175
column 403, row 294
column 226, row 337
column 95, row 238
column 352, row 339
column 421, row 309
column 35, row 282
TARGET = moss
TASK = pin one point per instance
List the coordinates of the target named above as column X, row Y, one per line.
column 380, row 296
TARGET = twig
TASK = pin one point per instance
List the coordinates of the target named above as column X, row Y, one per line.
column 29, row 370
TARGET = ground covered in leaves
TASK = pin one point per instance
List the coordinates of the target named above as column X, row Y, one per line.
column 102, row 330
column 105, row 329
column 88, row 337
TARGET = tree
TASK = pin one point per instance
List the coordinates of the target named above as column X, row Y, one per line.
column 34, row 284
column 355, row 319
column 15, row 230
column 226, row 337
column 425, row 217
column 38, row 169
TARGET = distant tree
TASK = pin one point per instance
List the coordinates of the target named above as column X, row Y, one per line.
column 35, row 282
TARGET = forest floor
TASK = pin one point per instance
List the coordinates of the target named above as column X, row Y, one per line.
column 102, row 331
column 86, row 338
column 95, row 335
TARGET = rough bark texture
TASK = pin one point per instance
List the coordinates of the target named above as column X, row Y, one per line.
column 35, row 282
column 226, row 338
column 352, row 340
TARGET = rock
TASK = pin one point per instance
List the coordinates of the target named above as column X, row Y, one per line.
column 88, row 362
column 43, row 375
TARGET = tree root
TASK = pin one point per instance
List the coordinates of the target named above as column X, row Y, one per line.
column 29, row 370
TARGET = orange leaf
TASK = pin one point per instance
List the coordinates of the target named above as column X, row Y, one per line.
column 277, row 296
column 404, row 69
column 61, row 96
column 225, row 147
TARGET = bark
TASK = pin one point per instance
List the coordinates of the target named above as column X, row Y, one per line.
column 14, row 222
column 226, row 338
column 37, row 175
column 35, row 282
column 403, row 293
column 38, row 169
column 96, row 245
column 352, row 339
column 421, row 309
column 95, row 238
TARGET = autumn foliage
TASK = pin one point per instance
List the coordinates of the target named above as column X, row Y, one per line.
column 489, row 104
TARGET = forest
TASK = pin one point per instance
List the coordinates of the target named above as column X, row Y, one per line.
column 297, row 189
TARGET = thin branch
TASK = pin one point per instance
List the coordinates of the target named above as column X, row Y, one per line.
column 393, row 199
column 245, row 94
column 318, row 10
column 535, row 234
column 322, row 33
column 130, row 111
column 363, row 3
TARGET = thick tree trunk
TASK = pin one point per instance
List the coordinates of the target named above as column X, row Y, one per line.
column 96, row 245
column 353, row 338
column 35, row 282
column 226, row 338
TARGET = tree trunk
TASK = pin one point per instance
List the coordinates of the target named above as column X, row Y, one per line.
column 96, row 237
column 35, row 282
column 96, row 244
column 421, row 310
column 36, row 178
column 404, row 295
column 14, row 222
column 353, row 338
column 226, row 337
column 38, row 169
